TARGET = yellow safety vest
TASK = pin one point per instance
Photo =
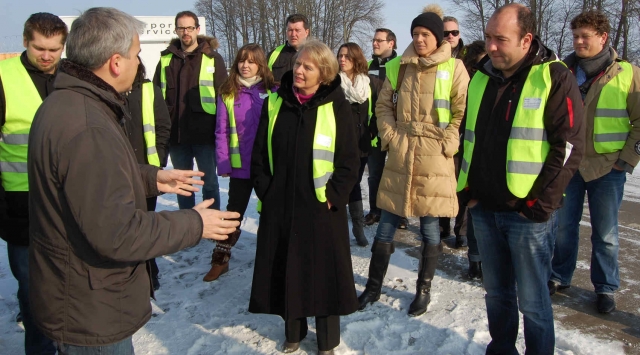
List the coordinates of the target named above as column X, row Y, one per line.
column 22, row 102
column 324, row 144
column 274, row 56
column 149, row 124
column 527, row 147
column 205, row 81
column 611, row 124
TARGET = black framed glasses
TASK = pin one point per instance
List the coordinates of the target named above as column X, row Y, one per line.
column 187, row 29
column 455, row 33
column 375, row 40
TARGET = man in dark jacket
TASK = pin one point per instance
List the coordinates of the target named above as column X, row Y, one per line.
column 384, row 45
column 190, row 73
column 90, row 232
column 281, row 58
column 24, row 82
column 610, row 89
column 452, row 35
column 524, row 139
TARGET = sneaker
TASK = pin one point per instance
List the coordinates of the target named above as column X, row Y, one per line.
column 404, row 222
column 371, row 218
column 556, row 286
column 605, row 303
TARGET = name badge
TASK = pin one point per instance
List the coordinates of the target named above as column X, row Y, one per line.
column 374, row 72
column 263, row 96
column 442, row 74
column 323, row 140
column 532, row 103
column 211, row 70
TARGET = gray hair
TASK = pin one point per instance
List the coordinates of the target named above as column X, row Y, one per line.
column 99, row 33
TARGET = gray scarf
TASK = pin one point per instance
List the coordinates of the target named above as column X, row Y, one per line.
column 596, row 64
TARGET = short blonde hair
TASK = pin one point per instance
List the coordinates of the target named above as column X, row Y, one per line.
column 323, row 57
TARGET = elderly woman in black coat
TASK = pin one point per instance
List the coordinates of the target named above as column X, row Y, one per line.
column 305, row 162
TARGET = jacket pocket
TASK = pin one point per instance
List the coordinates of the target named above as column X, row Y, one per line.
column 116, row 278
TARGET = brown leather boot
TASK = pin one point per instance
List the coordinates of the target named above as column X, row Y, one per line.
column 221, row 256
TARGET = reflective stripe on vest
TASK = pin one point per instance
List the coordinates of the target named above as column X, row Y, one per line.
column 441, row 91
column 22, row 101
column 527, row 147
column 234, row 144
column 274, row 56
column 149, row 124
column 324, row 144
column 205, row 81
column 611, row 125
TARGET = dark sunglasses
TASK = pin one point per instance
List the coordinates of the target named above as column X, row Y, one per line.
column 455, row 33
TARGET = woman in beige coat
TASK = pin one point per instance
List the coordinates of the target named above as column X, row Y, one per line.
column 419, row 177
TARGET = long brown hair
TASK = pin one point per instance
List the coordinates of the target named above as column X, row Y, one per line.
column 354, row 52
column 253, row 52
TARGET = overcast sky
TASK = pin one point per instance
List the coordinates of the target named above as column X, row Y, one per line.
column 399, row 14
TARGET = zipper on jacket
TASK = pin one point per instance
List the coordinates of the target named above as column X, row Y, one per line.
column 506, row 118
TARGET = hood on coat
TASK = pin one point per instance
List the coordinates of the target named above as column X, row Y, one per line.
column 440, row 55
column 325, row 93
column 206, row 44
column 538, row 54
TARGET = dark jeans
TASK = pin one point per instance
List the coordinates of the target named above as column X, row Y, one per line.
column 34, row 341
column 182, row 156
column 429, row 228
column 124, row 347
column 605, row 197
column 356, row 192
column 516, row 251
column 239, row 195
column 327, row 331
column 375, row 162
column 472, row 242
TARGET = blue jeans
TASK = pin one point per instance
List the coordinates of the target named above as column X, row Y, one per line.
column 375, row 162
column 124, row 347
column 605, row 197
column 182, row 158
column 516, row 251
column 429, row 228
column 34, row 341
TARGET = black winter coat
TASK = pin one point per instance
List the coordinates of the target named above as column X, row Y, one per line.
column 133, row 126
column 284, row 63
column 360, row 114
column 190, row 123
column 303, row 260
column 14, row 205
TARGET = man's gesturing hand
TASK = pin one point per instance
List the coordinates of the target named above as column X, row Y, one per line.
column 216, row 224
column 178, row 181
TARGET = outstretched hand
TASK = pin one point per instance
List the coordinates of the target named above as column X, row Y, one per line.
column 178, row 181
column 216, row 224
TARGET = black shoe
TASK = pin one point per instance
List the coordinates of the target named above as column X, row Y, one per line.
column 475, row 270
column 461, row 241
column 371, row 219
column 404, row 222
column 555, row 286
column 19, row 317
column 288, row 347
column 155, row 282
column 605, row 303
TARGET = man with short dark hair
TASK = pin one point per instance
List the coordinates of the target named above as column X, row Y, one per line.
column 280, row 60
column 523, row 141
column 384, row 46
column 25, row 81
column 452, row 35
column 610, row 89
column 90, row 231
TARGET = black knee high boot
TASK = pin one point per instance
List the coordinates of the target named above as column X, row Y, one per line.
column 428, row 263
column 381, row 253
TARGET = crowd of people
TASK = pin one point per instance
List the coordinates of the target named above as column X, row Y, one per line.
column 85, row 142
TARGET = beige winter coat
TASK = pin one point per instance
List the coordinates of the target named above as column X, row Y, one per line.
column 419, row 176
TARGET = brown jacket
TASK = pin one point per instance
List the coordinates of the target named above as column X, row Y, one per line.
column 595, row 165
column 90, row 232
column 190, row 124
column 419, row 177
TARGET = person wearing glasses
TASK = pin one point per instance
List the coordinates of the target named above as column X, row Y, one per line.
column 190, row 73
column 281, row 59
column 452, row 35
column 384, row 46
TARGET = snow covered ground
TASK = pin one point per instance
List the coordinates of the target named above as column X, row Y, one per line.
column 192, row 317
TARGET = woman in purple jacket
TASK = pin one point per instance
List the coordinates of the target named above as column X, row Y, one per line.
column 239, row 107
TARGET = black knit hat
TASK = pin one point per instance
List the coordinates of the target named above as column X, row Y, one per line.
column 432, row 22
